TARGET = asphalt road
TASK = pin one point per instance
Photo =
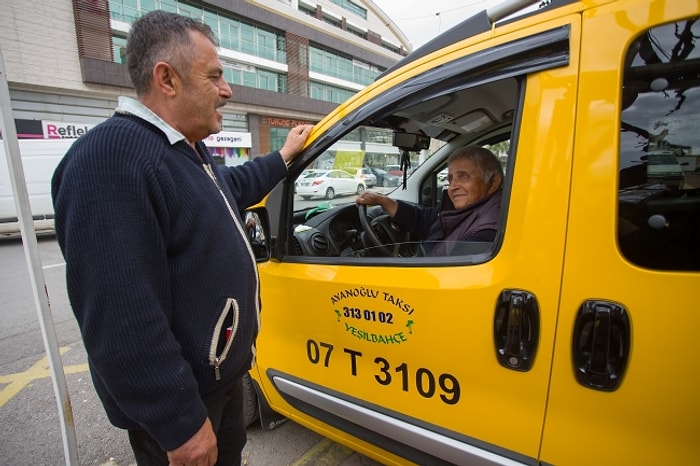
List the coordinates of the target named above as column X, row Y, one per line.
column 28, row 407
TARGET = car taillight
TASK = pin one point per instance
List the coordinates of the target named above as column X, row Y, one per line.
column 316, row 182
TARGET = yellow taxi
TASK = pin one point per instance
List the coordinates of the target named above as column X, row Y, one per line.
column 569, row 338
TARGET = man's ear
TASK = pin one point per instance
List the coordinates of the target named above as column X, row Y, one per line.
column 165, row 78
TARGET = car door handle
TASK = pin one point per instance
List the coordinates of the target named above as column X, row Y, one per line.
column 601, row 344
column 516, row 329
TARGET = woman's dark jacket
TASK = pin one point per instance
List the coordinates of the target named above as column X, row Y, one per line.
column 440, row 229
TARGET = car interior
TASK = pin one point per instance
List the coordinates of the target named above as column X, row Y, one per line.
column 424, row 131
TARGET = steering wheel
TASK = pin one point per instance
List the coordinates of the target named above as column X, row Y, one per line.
column 379, row 234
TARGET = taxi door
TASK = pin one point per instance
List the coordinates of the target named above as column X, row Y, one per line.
column 446, row 362
column 625, row 376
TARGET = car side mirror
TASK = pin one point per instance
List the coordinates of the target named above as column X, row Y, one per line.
column 257, row 228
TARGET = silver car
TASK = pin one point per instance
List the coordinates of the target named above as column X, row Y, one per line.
column 364, row 175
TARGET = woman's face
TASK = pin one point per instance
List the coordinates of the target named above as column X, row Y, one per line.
column 467, row 184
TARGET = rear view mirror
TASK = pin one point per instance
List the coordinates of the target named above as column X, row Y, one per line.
column 413, row 142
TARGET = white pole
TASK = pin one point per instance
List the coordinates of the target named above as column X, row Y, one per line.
column 36, row 274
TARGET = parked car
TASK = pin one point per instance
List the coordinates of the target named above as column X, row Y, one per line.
column 386, row 179
column 663, row 167
column 394, row 170
column 312, row 173
column 39, row 158
column 363, row 174
column 328, row 184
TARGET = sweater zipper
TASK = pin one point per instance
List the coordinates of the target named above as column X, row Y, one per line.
column 215, row 358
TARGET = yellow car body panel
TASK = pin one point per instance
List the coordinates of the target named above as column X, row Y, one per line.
column 652, row 418
column 417, row 342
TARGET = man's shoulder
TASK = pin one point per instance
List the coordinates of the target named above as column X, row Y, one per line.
column 120, row 143
column 121, row 124
column 119, row 133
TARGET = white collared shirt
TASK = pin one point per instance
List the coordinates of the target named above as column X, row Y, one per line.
column 136, row 108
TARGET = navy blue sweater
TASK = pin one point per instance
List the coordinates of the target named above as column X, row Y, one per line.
column 157, row 268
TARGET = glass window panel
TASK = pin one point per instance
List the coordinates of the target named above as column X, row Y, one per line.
column 278, row 136
column 266, row 45
column 263, row 80
column 187, row 10
column 119, row 49
column 236, row 78
column 147, row 5
column 247, row 34
column 659, row 180
column 250, row 79
column 212, row 20
column 169, row 6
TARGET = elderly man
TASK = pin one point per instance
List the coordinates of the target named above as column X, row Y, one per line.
column 160, row 275
column 475, row 178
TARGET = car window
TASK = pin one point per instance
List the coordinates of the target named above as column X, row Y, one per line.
column 329, row 225
column 659, row 180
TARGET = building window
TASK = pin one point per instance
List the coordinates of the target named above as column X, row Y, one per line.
column 392, row 48
column 124, row 10
column 351, row 7
column 119, row 49
column 357, row 32
column 278, row 136
column 329, row 93
column 307, row 10
column 232, row 34
column 332, row 21
column 250, row 76
column 336, row 66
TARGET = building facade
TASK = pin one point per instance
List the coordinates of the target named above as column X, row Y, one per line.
column 287, row 61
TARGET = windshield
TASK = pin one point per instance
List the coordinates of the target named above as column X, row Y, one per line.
column 370, row 161
column 400, row 151
column 657, row 159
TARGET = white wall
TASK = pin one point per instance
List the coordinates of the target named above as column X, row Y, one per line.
column 38, row 43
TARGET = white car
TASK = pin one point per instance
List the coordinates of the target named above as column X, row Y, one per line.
column 364, row 175
column 328, row 184
column 663, row 167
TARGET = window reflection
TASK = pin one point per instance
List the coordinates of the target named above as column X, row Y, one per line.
column 659, row 181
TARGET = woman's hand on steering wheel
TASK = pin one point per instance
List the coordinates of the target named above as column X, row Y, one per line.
column 379, row 234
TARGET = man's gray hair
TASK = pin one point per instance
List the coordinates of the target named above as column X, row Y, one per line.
column 488, row 163
column 161, row 36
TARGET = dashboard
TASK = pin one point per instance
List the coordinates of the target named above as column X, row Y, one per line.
column 335, row 232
